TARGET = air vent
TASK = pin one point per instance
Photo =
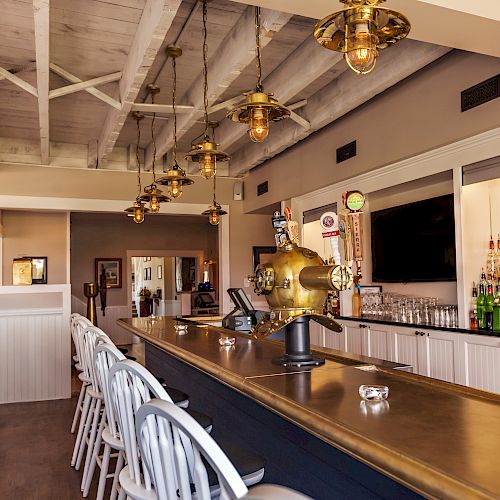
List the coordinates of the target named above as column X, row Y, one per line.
column 262, row 188
column 481, row 93
column 346, row 152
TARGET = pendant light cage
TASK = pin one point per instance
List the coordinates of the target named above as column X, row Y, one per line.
column 360, row 30
column 207, row 152
column 175, row 177
column 259, row 108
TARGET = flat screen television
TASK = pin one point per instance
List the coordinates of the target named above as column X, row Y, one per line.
column 414, row 242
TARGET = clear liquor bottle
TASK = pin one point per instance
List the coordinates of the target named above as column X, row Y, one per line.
column 473, row 325
column 488, row 308
column 490, row 261
column 496, row 311
column 481, row 303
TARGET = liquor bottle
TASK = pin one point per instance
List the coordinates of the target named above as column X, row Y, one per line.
column 490, row 261
column 473, row 309
column 356, row 302
column 480, row 305
column 488, row 308
column 496, row 311
column 497, row 260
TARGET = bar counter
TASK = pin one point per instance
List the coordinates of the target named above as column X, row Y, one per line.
column 437, row 439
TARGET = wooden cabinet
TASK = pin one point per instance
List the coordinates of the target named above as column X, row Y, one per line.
column 378, row 341
column 355, row 340
column 438, row 355
column 478, row 362
column 403, row 347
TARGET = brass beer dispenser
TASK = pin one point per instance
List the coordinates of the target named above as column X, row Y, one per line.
column 296, row 283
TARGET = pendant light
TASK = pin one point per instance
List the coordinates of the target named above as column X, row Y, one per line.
column 153, row 195
column 360, row 31
column 206, row 153
column 259, row 108
column 175, row 177
column 214, row 211
column 137, row 210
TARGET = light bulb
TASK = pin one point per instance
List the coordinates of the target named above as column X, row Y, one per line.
column 259, row 124
column 361, row 49
column 154, row 204
column 207, row 166
column 214, row 218
column 138, row 215
column 175, row 189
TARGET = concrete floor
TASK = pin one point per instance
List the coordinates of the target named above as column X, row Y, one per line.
column 36, row 447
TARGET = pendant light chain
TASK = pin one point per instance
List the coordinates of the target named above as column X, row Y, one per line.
column 153, row 139
column 174, row 91
column 258, row 50
column 137, row 157
column 215, row 177
column 205, row 68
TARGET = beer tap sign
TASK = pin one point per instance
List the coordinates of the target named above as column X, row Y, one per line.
column 329, row 222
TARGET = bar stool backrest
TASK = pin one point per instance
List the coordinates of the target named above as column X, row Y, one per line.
column 162, row 430
column 78, row 324
column 131, row 385
column 106, row 355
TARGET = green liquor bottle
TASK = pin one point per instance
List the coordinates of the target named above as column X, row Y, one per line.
column 488, row 308
column 480, row 305
column 496, row 311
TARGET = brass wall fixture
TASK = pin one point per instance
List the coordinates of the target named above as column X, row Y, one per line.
column 175, row 177
column 152, row 194
column 206, row 153
column 137, row 210
column 214, row 211
column 259, row 107
column 360, row 30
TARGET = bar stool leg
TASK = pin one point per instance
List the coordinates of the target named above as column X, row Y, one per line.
column 118, row 468
column 78, row 408
column 86, row 431
column 104, row 472
column 83, row 418
column 93, row 447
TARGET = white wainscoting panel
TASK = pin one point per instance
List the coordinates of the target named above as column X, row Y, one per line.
column 107, row 323
column 34, row 356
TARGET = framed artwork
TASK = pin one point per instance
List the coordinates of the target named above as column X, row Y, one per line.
column 147, row 273
column 112, row 269
column 38, row 270
column 258, row 251
column 159, row 272
column 22, row 271
column 364, row 289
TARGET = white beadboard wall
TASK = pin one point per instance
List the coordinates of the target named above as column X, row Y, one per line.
column 107, row 323
column 35, row 347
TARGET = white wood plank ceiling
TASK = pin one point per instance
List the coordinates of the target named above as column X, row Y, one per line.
column 71, row 72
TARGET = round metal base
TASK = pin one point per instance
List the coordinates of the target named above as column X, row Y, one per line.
column 290, row 361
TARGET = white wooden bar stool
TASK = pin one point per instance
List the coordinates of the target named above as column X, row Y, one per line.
column 162, row 431
column 79, row 323
column 131, row 385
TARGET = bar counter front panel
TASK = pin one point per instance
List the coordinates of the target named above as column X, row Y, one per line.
column 435, row 439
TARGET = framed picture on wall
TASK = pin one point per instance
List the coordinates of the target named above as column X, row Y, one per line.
column 159, row 272
column 259, row 251
column 147, row 273
column 38, row 270
column 112, row 269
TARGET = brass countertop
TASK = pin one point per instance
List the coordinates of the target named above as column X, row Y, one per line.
column 439, row 439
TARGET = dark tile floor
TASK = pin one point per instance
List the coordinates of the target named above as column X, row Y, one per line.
column 36, row 447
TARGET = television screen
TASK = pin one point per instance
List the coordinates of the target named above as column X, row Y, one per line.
column 414, row 242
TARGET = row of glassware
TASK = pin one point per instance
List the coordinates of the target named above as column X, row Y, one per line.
column 407, row 309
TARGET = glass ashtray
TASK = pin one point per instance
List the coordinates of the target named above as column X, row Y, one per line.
column 227, row 341
column 181, row 328
column 373, row 392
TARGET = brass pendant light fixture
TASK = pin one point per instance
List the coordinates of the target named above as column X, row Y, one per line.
column 259, row 108
column 137, row 210
column 152, row 194
column 206, row 153
column 175, row 177
column 214, row 211
column 360, row 30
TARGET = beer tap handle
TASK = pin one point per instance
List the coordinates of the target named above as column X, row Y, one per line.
column 330, row 223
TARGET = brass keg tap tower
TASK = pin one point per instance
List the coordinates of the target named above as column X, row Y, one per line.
column 295, row 283
column 91, row 291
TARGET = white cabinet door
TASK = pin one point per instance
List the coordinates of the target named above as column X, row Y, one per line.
column 377, row 341
column 334, row 340
column 316, row 334
column 479, row 362
column 403, row 347
column 354, row 337
column 438, row 353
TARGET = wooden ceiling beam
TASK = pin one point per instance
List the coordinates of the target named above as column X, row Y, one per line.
column 305, row 65
column 155, row 22
column 91, row 90
column 18, row 81
column 235, row 53
column 338, row 98
column 76, row 87
column 41, row 11
column 160, row 108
